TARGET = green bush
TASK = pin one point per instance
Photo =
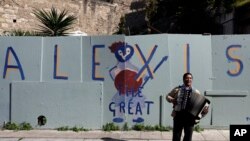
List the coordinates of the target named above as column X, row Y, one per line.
column 149, row 128
column 63, row 128
column 138, row 127
column 163, row 128
column 77, row 129
column 125, row 127
column 197, row 128
column 14, row 126
column 10, row 126
column 20, row 32
column 110, row 127
column 25, row 126
column 141, row 127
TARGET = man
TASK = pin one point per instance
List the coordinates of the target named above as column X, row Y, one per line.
column 180, row 97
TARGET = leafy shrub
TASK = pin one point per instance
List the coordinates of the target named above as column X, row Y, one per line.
column 63, row 128
column 14, row 126
column 125, row 127
column 20, row 32
column 149, row 128
column 11, row 126
column 141, row 127
column 25, row 126
column 138, row 127
column 197, row 128
column 77, row 129
column 162, row 128
column 110, row 127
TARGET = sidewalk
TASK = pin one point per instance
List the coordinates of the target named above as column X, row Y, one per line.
column 98, row 135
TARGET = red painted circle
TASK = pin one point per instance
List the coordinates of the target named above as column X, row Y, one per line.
column 125, row 81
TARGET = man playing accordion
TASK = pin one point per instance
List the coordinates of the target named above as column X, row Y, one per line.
column 187, row 102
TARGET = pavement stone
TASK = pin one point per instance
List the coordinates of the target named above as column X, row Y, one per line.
column 98, row 135
column 151, row 135
column 129, row 134
column 213, row 135
column 225, row 133
column 167, row 136
column 197, row 137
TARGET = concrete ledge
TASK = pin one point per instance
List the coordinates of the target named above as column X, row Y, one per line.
column 226, row 93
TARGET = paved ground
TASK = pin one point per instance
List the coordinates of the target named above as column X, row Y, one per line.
column 53, row 135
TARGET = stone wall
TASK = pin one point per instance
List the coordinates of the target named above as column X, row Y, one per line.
column 95, row 17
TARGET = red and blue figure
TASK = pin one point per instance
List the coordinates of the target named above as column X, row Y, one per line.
column 128, row 96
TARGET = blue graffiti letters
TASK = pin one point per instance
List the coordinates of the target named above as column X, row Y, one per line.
column 56, row 65
column 146, row 62
column 7, row 61
column 131, row 92
column 148, row 106
column 187, row 58
column 129, row 109
column 138, row 109
column 95, row 63
column 230, row 57
column 111, row 108
column 248, row 119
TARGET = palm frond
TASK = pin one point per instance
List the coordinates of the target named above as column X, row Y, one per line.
column 53, row 23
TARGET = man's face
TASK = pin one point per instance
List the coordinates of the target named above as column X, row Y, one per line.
column 188, row 80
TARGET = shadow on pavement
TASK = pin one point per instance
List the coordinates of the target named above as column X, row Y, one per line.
column 111, row 139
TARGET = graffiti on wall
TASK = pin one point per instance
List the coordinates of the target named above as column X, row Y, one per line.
column 129, row 81
column 235, row 59
column 56, row 74
column 8, row 66
column 134, row 69
column 248, row 119
column 13, row 63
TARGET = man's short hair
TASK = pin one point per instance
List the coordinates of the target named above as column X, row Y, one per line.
column 187, row 73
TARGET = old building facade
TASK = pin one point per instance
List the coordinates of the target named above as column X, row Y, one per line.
column 94, row 17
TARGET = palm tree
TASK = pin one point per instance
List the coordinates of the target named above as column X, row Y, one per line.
column 54, row 23
column 20, row 32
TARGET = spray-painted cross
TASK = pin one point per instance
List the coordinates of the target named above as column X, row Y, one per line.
column 146, row 64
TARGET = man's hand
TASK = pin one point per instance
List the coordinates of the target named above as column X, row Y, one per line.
column 205, row 110
column 171, row 99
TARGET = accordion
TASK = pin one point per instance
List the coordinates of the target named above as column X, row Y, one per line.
column 197, row 103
